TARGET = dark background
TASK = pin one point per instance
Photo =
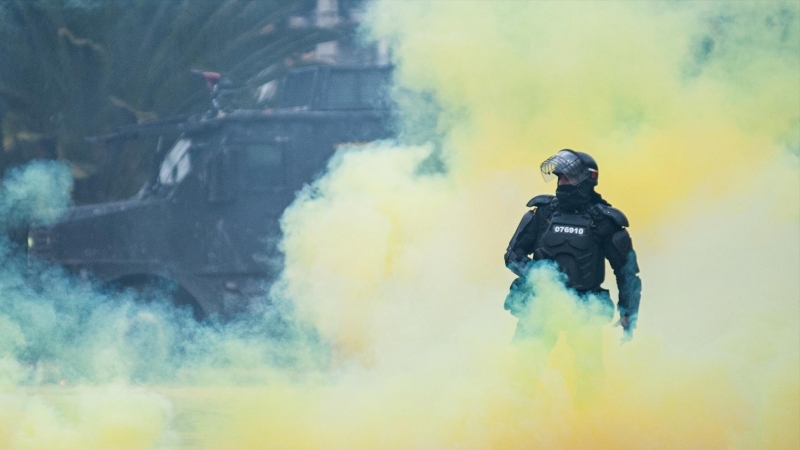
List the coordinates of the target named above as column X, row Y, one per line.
column 76, row 68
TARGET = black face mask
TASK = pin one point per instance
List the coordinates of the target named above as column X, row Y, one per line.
column 573, row 198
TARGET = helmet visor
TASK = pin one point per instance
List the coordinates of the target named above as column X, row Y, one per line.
column 565, row 164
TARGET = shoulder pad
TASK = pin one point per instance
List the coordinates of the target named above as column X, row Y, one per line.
column 540, row 200
column 614, row 214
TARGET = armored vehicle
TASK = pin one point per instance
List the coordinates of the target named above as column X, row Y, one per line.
column 207, row 220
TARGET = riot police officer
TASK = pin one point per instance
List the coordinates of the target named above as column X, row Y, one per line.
column 577, row 230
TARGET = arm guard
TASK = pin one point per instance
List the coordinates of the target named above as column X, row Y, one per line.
column 622, row 257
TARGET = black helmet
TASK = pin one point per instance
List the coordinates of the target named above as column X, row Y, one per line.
column 576, row 166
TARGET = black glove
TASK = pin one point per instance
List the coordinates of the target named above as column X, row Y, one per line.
column 518, row 265
column 628, row 324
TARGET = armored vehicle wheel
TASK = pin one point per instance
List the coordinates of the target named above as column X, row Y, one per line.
column 148, row 289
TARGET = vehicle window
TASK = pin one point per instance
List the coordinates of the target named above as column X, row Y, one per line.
column 343, row 90
column 177, row 163
column 298, row 89
column 373, row 88
column 263, row 166
column 356, row 89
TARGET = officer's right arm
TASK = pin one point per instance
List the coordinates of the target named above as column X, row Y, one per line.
column 522, row 243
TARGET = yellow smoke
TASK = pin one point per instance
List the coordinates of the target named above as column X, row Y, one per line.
column 692, row 112
column 116, row 417
column 696, row 144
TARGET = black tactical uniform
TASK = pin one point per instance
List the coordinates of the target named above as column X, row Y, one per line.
column 577, row 230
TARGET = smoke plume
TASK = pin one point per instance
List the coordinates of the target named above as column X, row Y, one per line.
column 393, row 333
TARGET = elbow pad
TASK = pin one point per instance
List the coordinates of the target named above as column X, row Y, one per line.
column 526, row 219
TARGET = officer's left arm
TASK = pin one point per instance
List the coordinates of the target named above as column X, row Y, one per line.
column 618, row 249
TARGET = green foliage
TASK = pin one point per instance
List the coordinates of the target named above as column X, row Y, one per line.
column 75, row 68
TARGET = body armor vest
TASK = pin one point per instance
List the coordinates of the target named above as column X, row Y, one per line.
column 569, row 240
